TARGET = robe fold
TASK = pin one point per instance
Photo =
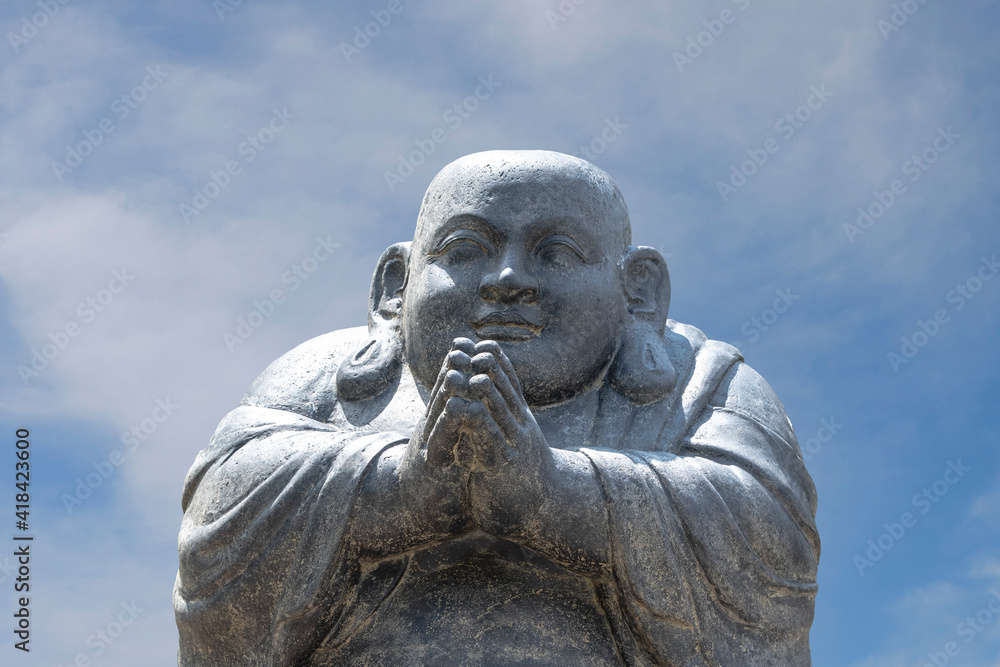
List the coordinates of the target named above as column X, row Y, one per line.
column 713, row 543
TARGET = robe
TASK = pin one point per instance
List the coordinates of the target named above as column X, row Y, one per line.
column 711, row 514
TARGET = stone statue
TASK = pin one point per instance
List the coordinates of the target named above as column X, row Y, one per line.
column 520, row 461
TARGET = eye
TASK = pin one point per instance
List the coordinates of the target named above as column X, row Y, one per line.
column 460, row 247
column 562, row 259
column 560, row 253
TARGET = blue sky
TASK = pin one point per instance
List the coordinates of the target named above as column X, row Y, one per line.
column 119, row 120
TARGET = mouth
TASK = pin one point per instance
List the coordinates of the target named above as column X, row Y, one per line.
column 509, row 327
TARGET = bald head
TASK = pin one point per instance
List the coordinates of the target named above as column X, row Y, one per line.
column 530, row 185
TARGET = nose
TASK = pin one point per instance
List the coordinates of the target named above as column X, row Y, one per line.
column 509, row 285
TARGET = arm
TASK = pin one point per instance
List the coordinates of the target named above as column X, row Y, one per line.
column 261, row 544
column 404, row 504
column 714, row 540
column 744, row 446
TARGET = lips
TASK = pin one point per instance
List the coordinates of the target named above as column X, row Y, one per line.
column 506, row 327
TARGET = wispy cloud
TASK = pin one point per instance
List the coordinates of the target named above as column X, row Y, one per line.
column 565, row 83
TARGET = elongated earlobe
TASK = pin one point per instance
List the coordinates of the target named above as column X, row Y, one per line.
column 377, row 364
column 372, row 369
column 642, row 371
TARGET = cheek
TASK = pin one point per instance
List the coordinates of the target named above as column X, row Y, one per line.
column 432, row 318
column 438, row 285
column 589, row 307
column 587, row 319
column 596, row 295
column 582, row 345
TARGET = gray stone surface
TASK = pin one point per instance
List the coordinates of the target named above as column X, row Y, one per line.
column 521, row 460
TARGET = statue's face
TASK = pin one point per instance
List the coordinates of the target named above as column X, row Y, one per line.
column 532, row 263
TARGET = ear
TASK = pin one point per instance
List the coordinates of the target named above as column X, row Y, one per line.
column 647, row 285
column 642, row 371
column 386, row 297
column 376, row 365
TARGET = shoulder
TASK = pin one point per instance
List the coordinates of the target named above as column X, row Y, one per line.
column 719, row 373
column 303, row 379
column 744, row 391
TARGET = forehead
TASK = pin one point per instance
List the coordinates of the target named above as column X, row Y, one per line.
column 517, row 199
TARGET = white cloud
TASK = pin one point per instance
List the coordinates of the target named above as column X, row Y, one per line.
column 324, row 175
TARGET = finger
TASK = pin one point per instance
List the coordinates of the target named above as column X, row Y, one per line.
column 482, row 388
column 446, row 432
column 494, row 348
column 486, row 363
column 487, row 443
column 434, row 410
column 458, row 360
column 454, row 383
column 465, row 345
column 454, row 360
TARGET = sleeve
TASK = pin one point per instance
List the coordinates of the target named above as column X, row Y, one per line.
column 714, row 544
column 265, row 574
